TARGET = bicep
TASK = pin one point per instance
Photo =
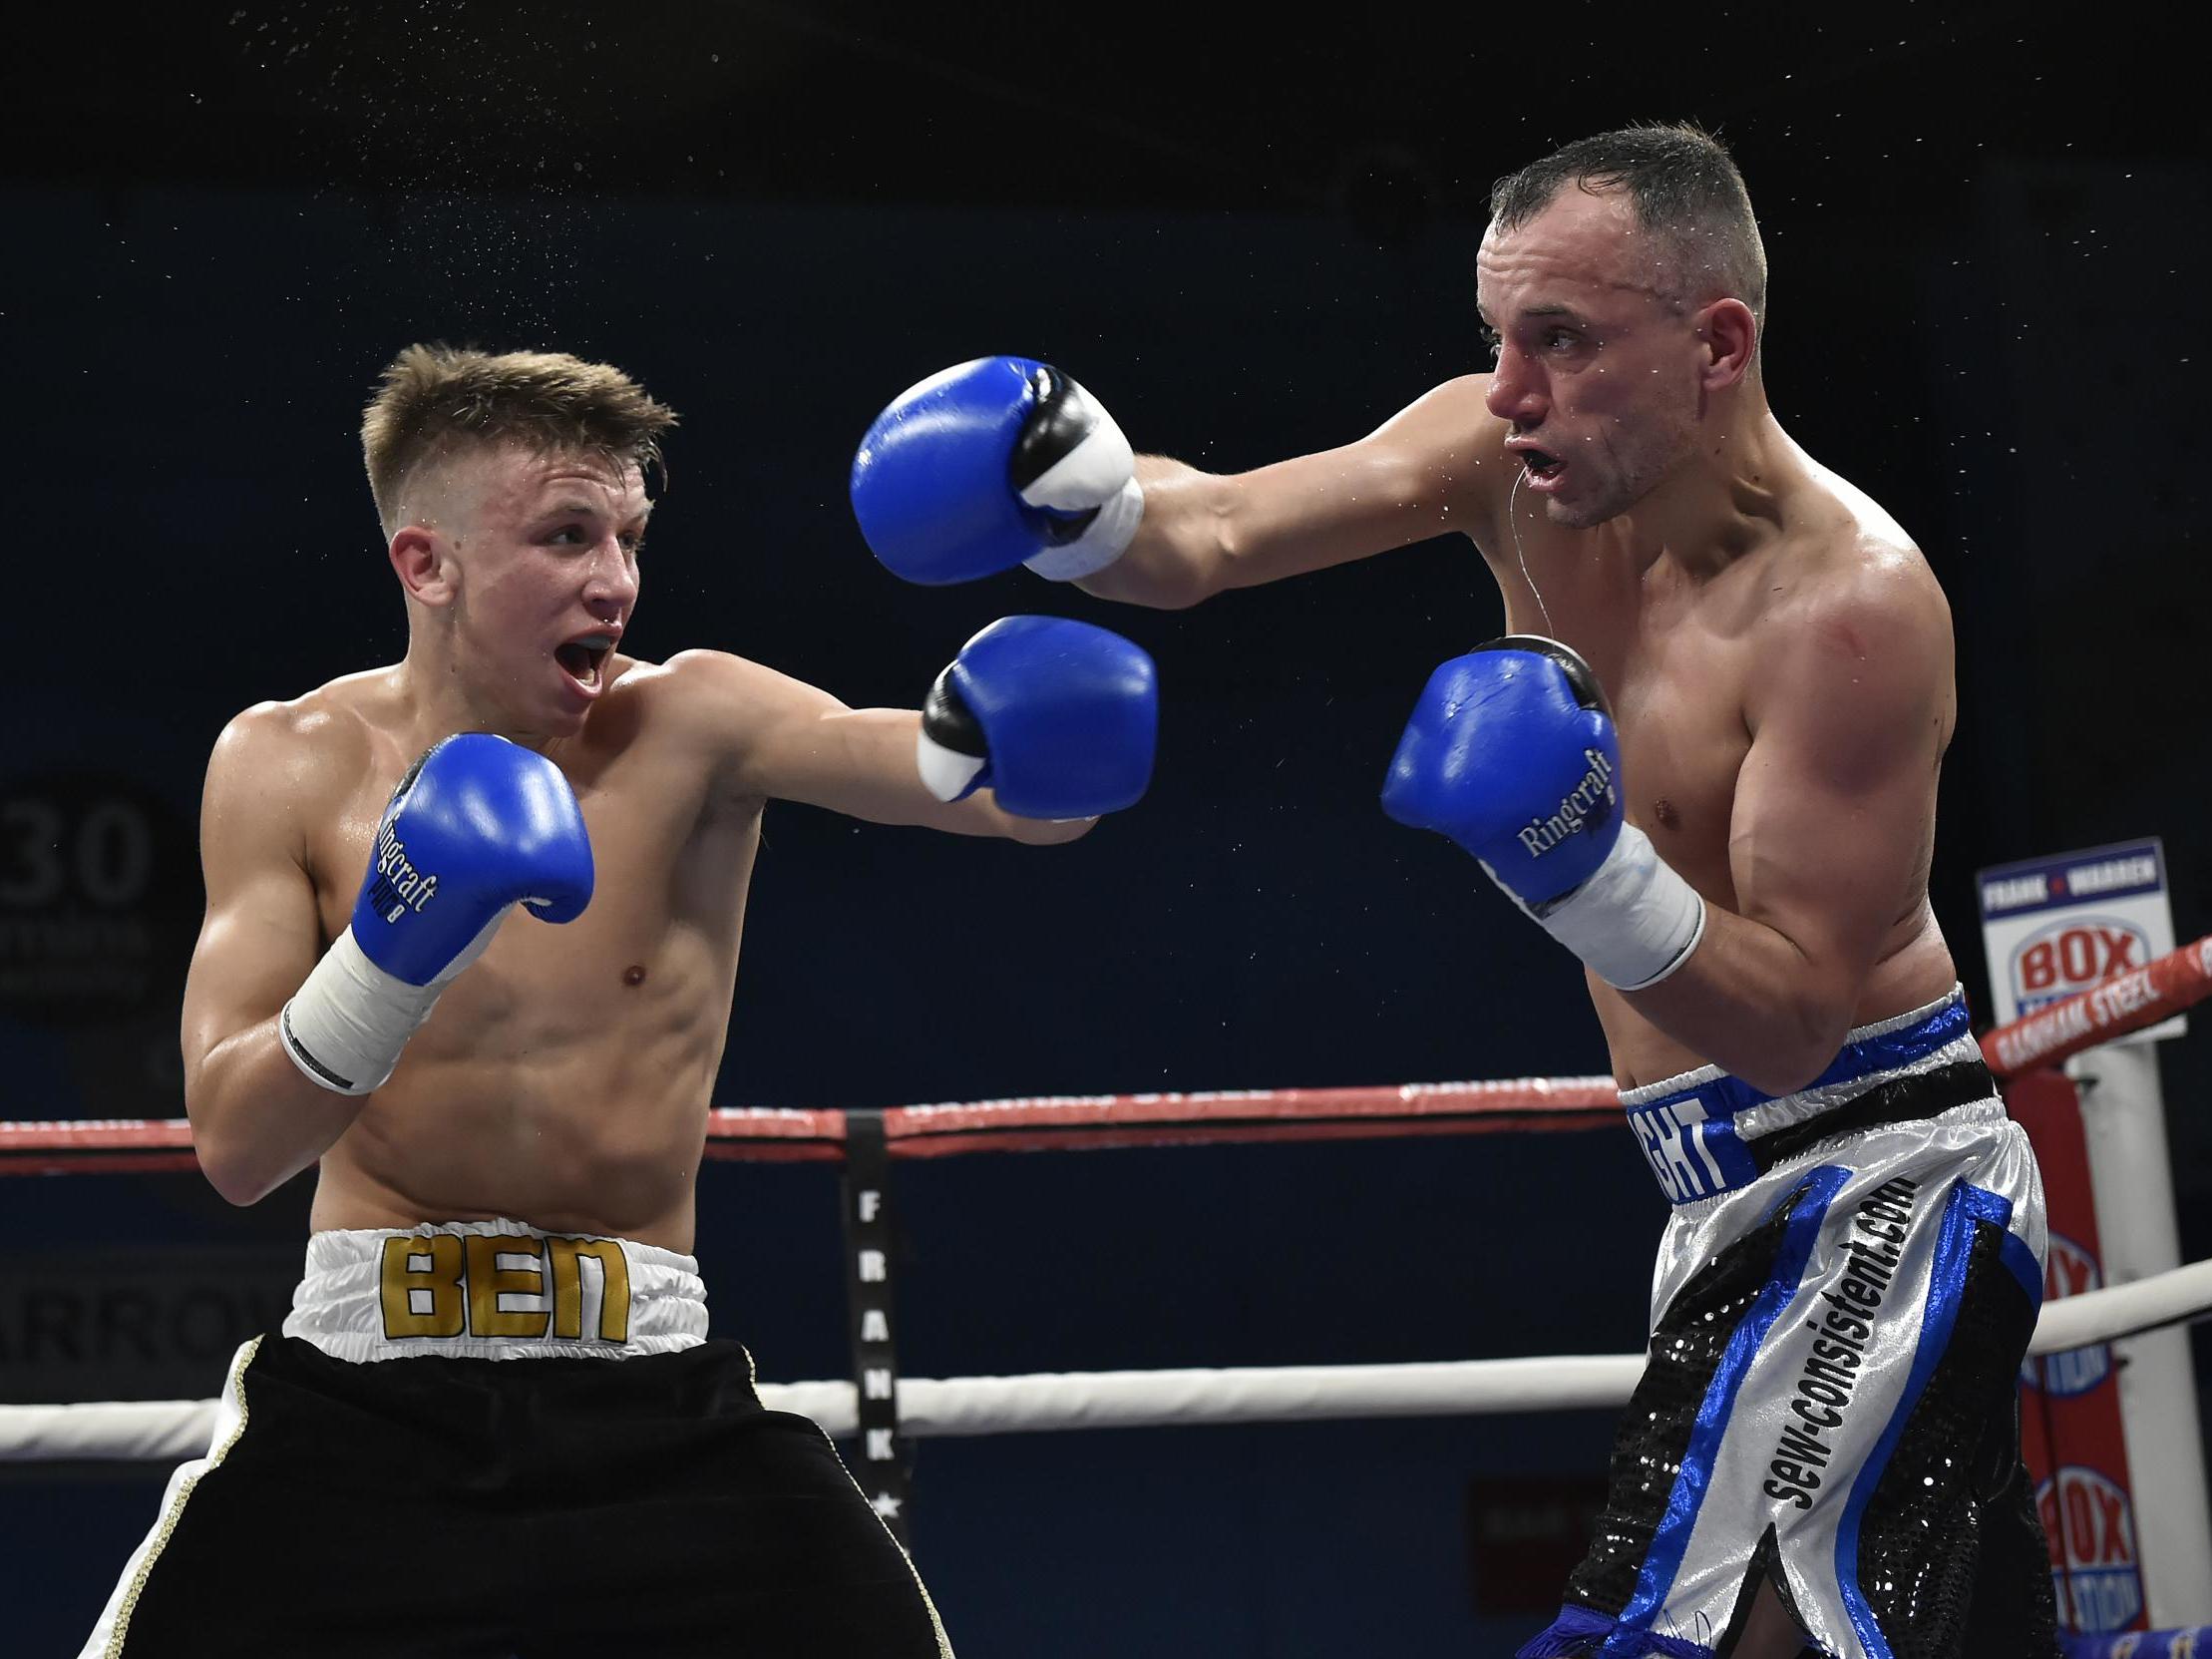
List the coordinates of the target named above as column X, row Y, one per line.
column 262, row 930
column 1835, row 804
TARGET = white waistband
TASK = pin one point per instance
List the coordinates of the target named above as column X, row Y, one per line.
column 494, row 1290
column 1809, row 1103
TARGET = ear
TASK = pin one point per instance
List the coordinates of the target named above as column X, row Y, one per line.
column 1730, row 334
column 424, row 562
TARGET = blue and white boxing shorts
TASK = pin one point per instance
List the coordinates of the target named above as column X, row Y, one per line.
column 1842, row 1302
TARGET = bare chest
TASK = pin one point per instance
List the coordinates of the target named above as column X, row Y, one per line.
column 669, row 875
column 1677, row 685
column 1682, row 746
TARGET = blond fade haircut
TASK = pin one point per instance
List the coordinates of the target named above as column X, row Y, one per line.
column 437, row 400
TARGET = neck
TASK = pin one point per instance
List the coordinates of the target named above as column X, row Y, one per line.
column 438, row 700
column 1725, row 499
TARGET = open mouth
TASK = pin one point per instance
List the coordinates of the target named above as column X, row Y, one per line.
column 1541, row 465
column 582, row 660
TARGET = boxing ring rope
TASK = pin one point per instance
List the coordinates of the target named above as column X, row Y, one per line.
column 967, row 1406
column 1058, row 1122
column 158, row 1430
column 766, row 1134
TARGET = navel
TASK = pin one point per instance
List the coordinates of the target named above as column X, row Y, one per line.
column 634, row 973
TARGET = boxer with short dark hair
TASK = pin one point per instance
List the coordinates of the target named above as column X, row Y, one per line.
column 1823, row 1449
column 472, row 932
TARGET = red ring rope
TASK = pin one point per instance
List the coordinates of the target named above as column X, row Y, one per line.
column 2125, row 1002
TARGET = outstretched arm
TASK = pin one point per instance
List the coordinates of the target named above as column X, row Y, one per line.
column 1006, row 461
column 1435, row 466
column 778, row 738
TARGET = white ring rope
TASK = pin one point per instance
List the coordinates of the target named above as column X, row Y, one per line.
column 169, row 1430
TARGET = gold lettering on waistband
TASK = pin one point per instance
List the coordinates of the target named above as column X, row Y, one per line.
column 447, row 1314
column 487, row 1279
column 563, row 1255
column 459, row 1288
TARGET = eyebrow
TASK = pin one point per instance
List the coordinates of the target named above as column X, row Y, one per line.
column 574, row 507
column 1567, row 311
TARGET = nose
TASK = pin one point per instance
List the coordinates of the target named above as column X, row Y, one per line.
column 1517, row 394
column 611, row 587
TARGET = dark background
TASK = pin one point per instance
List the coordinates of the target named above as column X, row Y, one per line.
column 1251, row 236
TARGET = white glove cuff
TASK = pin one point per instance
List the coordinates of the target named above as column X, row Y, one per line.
column 945, row 774
column 1635, row 921
column 1106, row 539
column 1100, row 464
column 346, row 1025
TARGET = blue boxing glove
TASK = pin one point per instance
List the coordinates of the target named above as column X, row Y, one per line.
column 1511, row 751
column 1058, row 718
column 477, row 826
column 999, row 462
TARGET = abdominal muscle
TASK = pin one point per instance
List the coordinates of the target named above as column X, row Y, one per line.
column 548, row 1090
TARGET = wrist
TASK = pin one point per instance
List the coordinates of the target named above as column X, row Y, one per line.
column 949, row 750
column 1105, row 538
column 1633, row 922
column 346, row 1025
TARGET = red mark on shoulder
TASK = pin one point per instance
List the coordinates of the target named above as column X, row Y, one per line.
column 1839, row 632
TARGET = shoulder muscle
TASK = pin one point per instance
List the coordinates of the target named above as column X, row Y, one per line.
column 740, row 715
column 1859, row 662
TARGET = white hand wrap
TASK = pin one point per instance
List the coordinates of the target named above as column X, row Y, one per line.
column 347, row 1023
column 1635, row 921
column 1096, row 472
